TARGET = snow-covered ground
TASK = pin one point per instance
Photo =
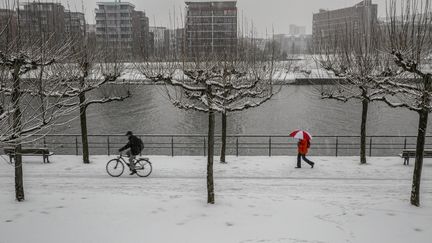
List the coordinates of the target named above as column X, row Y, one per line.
column 258, row 199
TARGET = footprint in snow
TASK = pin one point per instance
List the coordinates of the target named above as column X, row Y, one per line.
column 359, row 214
column 418, row 230
column 391, row 214
column 229, row 224
column 9, row 221
column 60, row 206
column 68, row 169
column 44, row 212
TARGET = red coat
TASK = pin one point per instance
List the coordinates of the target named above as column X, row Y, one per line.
column 303, row 147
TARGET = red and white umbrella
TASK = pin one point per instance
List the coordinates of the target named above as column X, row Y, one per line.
column 300, row 134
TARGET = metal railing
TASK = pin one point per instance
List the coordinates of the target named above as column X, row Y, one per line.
column 237, row 145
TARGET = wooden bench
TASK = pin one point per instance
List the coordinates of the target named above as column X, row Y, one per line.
column 29, row 152
column 407, row 154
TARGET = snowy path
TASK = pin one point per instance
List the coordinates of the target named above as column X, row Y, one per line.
column 259, row 199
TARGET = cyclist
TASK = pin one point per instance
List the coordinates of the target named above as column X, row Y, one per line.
column 134, row 146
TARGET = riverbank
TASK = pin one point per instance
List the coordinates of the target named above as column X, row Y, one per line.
column 258, row 199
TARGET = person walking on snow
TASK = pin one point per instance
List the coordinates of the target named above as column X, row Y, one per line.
column 303, row 147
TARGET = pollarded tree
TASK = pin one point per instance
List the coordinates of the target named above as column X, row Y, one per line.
column 201, row 85
column 231, row 98
column 28, row 110
column 36, row 90
column 410, row 44
column 31, row 107
column 237, row 69
column 353, row 55
column 89, row 68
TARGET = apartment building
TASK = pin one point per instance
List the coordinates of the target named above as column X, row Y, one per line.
column 42, row 20
column 358, row 19
column 211, row 28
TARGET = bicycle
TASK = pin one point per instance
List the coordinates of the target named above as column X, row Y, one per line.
column 115, row 167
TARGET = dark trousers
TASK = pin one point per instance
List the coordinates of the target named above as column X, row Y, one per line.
column 303, row 156
column 131, row 159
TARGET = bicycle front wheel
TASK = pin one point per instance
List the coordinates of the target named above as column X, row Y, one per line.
column 143, row 168
column 115, row 168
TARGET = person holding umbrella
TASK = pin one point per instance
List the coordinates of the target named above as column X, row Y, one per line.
column 303, row 147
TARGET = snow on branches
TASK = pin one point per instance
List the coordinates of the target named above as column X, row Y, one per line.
column 221, row 86
column 39, row 87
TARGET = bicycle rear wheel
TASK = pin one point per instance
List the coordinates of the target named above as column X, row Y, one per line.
column 115, row 168
column 143, row 167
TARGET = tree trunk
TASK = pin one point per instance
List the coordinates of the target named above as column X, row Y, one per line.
column 210, row 154
column 421, row 137
column 16, row 126
column 365, row 108
column 224, row 138
column 83, row 119
column 19, row 184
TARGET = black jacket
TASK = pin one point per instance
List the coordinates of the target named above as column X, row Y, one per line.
column 134, row 144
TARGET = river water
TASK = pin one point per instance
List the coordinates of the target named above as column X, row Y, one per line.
column 149, row 111
column 295, row 107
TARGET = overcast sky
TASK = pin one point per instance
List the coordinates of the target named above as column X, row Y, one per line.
column 264, row 13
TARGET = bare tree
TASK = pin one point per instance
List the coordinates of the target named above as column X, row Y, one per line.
column 28, row 110
column 92, row 67
column 37, row 90
column 211, row 85
column 88, row 73
column 21, row 116
column 354, row 57
column 234, row 71
column 236, row 98
column 409, row 29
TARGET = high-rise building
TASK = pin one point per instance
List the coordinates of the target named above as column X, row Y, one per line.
column 75, row 24
column 140, row 36
column 297, row 30
column 294, row 44
column 159, row 39
column 211, row 28
column 8, row 23
column 42, row 20
column 114, row 28
column 91, row 36
column 51, row 22
column 151, row 43
column 328, row 24
column 121, row 30
column 176, row 42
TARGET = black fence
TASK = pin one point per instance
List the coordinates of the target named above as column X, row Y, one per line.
column 237, row 145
